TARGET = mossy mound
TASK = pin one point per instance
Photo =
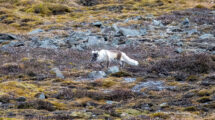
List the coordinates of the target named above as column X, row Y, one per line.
column 49, row 9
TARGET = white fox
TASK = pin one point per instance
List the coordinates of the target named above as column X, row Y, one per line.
column 112, row 55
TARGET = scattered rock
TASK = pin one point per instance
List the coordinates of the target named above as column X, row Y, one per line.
column 129, row 79
column 132, row 32
column 157, row 23
column 48, row 43
column 4, row 36
column 57, row 72
column 208, row 81
column 21, row 99
column 36, row 31
column 162, row 105
column 186, row 22
column 109, row 102
column 206, row 36
column 97, row 74
column 193, row 31
column 179, row 50
column 152, row 85
column 113, row 69
column 42, row 96
column 98, row 24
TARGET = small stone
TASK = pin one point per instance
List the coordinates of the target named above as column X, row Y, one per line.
column 42, row 96
column 97, row 24
column 157, row 23
column 113, row 69
column 179, row 50
column 36, row 31
column 186, row 21
column 97, row 74
column 109, row 102
column 163, row 105
column 206, row 36
column 21, row 99
column 129, row 80
column 4, row 36
column 58, row 72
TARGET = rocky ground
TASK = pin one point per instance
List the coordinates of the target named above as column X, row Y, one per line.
column 46, row 74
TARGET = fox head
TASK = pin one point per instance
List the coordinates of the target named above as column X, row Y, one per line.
column 95, row 55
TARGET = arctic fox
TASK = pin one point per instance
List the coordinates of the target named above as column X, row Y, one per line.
column 112, row 55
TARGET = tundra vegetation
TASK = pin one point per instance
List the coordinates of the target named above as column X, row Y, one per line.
column 45, row 53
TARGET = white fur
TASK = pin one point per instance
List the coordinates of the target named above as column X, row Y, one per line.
column 107, row 55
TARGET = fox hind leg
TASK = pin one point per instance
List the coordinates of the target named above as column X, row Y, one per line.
column 101, row 64
column 122, row 64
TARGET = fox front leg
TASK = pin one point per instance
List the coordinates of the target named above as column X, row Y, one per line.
column 101, row 64
column 108, row 64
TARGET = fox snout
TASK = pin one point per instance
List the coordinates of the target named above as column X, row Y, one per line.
column 94, row 57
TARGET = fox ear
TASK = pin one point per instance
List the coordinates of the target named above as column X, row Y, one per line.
column 94, row 52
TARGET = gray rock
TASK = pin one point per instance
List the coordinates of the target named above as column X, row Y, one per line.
column 4, row 36
column 193, row 31
column 132, row 32
column 36, row 31
column 163, row 105
column 109, row 102
column 21, row 99
column 186, row 22
column 113, row 69
column 47, row 43
column 179, row 44
column 206, row 36
column 14, row 44
column 213, row 12
column 129, row 80
column 57, row 72
column 95, row 40
column 179, row 50
column 152, row 85
column 98, row 24
column 157, row 23
column 42, row 96
column 210, row 80
column 97, row 74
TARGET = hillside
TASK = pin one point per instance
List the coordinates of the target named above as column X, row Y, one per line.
column 18, row 16
column 46, row 71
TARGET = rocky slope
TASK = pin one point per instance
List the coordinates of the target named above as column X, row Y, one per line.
column 46, row 73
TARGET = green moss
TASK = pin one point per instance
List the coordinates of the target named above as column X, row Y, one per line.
column 204, row 99
column 48, row 9
column 200, row 6
column 213, row 7
column 132, row 112
column 190, row 108
column 108, row 83
column 160, row 115
column 192, row 78
column 204, row 92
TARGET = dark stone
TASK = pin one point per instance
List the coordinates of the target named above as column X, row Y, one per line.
column 21, row 99
column 97, row 24
column 4, row 36
column 208, row 81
